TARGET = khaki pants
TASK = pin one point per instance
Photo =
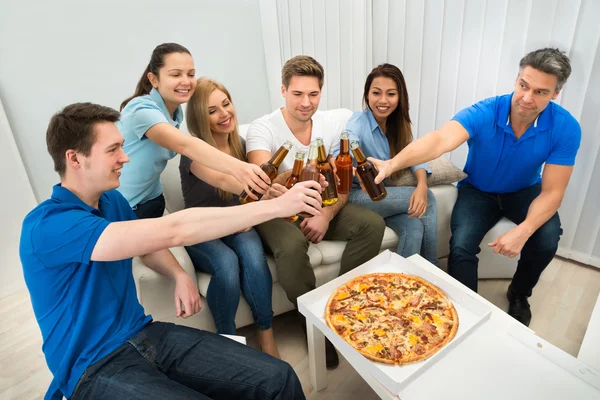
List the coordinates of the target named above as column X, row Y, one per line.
column 361, row 228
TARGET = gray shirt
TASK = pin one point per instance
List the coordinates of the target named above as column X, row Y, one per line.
column 197, row 193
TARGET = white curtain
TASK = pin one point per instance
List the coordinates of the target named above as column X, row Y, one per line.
column 337, row 33
column 453, row 53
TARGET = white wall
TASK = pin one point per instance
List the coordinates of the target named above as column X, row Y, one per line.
column 14, row 208
column 58, row 52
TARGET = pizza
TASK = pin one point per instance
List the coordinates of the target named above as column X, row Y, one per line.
column 392, row 318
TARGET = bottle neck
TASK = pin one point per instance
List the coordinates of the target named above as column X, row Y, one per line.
column 345, row 146
column 322, row 157
column 297, row 169
column 278, row 157
column 359, row 155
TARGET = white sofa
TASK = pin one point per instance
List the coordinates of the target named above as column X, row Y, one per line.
column 155, row 291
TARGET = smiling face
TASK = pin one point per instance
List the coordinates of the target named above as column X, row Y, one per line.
column 221, row 112
column 534, row 89
column 102, row 167
column 175, row 81
column 302, row 97
column 383, row 97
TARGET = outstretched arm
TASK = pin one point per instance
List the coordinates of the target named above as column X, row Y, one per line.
column 127, row 239
column 424, row 149
column 169, row 137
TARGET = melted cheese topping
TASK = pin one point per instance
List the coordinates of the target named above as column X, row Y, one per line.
column 412, row 339
column 376, row 348
column 342, row 296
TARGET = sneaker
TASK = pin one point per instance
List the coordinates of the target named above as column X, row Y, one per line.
column 518, row 307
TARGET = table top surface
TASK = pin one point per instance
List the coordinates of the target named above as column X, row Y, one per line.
column 500, row 359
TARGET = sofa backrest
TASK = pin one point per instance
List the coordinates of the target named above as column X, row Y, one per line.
column 171, row 180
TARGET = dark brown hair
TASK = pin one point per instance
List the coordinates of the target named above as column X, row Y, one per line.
column 397, row 126
column 551, row 61
column 157, row 60
column 302, row 66
column 72, row 128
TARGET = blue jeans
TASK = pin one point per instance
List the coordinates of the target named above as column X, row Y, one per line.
column 417, row 236
column 235, row 261
column 167, row 361
column 476, row 212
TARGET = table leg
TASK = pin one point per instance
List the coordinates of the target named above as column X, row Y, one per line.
column 316, row 357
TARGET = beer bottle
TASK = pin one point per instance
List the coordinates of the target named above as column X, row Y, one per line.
column 343, row 164
column 310, row 171
column 367, row 173
column 270, row 168
column 329, row 194
column 295, row 178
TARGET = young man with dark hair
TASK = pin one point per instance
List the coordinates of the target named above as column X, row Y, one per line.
column 76, row 250
column 510, row 138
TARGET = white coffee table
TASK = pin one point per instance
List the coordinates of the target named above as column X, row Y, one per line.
column 500, row 359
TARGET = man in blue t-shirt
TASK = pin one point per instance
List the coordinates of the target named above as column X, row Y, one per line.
column 76, row 249
column 510, row 138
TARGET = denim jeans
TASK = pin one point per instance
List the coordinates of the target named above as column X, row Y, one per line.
column 476, row 212
column 167, row 361
column 151, row 209
column 235, row 261
column 360, row 228
column 417, row 235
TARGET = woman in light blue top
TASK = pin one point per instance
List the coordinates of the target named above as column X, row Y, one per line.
column 382, row 130
column 150, row 121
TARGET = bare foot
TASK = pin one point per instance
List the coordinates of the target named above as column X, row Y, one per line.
column 266, row 342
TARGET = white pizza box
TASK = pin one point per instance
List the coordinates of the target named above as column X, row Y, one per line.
column 472, row 312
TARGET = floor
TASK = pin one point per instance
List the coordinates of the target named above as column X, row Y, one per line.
column 562, row 303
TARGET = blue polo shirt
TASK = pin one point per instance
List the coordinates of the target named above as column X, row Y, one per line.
column 499, row 163
column 85, row 309
column 363, row 128
column 140, row 177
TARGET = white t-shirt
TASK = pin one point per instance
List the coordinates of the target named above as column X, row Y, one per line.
column 269, row 132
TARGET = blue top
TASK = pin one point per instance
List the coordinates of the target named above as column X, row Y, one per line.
column 363, row 128
column 85, row 309
column 499, row 163
column 140, row 177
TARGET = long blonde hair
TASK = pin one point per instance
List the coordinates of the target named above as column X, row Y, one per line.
column 198, row 122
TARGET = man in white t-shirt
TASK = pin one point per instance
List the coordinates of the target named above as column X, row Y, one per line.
column 300, row 122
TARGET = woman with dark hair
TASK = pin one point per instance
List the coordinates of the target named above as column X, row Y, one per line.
column 236, row 261
column 150, row 121
column 382, row 130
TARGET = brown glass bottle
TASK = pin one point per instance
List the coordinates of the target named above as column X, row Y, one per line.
column 343, row 165
column 270, row 168
column 367, row 173
column 310, row 171
column 329, row 194
column 295, row 177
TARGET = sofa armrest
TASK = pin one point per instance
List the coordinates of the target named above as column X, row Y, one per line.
column 155, row 291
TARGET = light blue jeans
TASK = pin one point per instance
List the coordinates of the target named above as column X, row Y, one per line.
column 417, row 235
column 235, row 262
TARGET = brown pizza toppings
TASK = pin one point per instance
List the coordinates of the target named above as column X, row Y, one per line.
column 392, row 318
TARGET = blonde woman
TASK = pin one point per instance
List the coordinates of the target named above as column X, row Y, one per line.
column 236, row 261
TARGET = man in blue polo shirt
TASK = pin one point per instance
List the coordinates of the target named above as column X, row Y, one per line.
column 76, row 249
column 510, row 138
